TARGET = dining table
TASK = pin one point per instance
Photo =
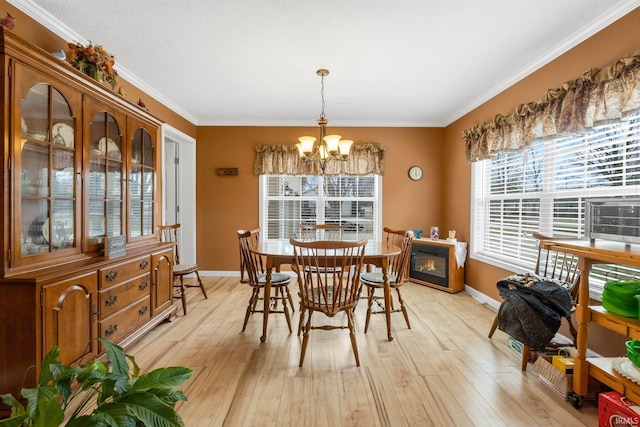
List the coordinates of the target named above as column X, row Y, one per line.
column 280, row 252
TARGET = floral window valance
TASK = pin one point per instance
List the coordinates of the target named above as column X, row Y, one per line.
column 364, row 159
column 597, row 97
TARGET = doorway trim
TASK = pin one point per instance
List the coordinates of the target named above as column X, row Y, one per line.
column 186, row 195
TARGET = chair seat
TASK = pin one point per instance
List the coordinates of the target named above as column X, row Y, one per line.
column 320, row 299
column 276, row 278
column 185, row 268
column 375, row 279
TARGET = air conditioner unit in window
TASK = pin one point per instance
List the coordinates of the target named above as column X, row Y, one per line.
column 615, row 219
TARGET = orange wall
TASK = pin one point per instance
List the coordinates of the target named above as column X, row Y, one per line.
column 228, row 203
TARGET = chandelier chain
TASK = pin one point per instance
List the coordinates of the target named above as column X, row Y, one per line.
column 322, row 95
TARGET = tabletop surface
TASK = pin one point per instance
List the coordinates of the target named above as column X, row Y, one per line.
column 284, row 248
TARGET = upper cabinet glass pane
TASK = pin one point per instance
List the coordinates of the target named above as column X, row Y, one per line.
column 47, row 172
column 147, row 149
column 62, row 129
column 35, row 113
column 105, row 178
column 142, row 189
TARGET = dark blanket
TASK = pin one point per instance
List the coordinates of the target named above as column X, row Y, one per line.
column 533, row 308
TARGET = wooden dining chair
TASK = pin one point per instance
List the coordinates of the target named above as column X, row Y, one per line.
column 256, row 278
column 318, row 232
column 397, row 273
column 169, row 233
column 559, row 268
column 321, row 231
column 254, row 238
column 333, row 286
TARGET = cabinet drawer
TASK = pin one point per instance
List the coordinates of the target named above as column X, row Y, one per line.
column 119, row 325
column 115, row 298
column 118, row 273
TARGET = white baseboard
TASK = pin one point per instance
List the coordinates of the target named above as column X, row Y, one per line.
column 210, row 273
column 482, row 298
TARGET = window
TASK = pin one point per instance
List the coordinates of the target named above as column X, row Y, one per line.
column 544, row 189
column 288, row 201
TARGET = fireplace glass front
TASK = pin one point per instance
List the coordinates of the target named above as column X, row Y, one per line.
column 430, row 264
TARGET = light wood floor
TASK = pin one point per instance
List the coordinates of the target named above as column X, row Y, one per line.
column 442, row 372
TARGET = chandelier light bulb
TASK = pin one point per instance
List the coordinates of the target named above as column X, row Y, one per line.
column 305, row 146
column 332, row 143
column 345, row 147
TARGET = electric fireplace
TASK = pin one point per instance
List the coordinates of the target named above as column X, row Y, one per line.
column 433, row 263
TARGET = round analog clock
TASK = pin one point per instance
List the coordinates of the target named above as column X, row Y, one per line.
column 415, row 173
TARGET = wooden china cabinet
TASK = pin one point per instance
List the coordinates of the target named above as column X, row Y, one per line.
column 81, row 165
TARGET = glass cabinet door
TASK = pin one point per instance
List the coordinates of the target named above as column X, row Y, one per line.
column 105, row 183
column 142, row 184
column 48, row 172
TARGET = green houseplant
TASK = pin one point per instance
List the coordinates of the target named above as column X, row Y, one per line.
column 115, row 392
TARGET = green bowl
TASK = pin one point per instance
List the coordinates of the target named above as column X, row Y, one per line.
column 627, row 289
column 633, row 352
column 627, row 307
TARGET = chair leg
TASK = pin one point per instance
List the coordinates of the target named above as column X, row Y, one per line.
column 286, row 288
column 204, row 291
column 526, row 350
column 493, row 326
column 526, row 354
column 285, row 308
column 305, row 338
column 183, row 296
column 352, row 335
column 370, row 295
column 250, row 307
column 403, row 308
column 301, row 320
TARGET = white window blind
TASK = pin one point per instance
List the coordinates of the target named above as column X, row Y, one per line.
column 288, row 201
column 544, row 189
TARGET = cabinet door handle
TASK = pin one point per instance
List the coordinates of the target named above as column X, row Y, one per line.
column 144, row 285
column 110, row 330
column 143, row 310
column 144, row 265
column 111, row 300
column 111, row 276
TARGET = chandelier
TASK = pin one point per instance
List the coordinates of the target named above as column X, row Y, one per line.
column 329, row 147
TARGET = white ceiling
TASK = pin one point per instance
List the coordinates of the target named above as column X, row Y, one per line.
column 391, row 63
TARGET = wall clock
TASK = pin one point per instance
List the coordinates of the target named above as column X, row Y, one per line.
column 415, row 173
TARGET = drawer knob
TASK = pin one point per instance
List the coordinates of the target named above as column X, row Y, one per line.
column 111, row 276
column 111, row 330
column 143, row 310
column 144, row 265
column 143, row 286
column 111, row 300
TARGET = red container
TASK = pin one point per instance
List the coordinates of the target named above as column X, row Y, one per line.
column 615, row 410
